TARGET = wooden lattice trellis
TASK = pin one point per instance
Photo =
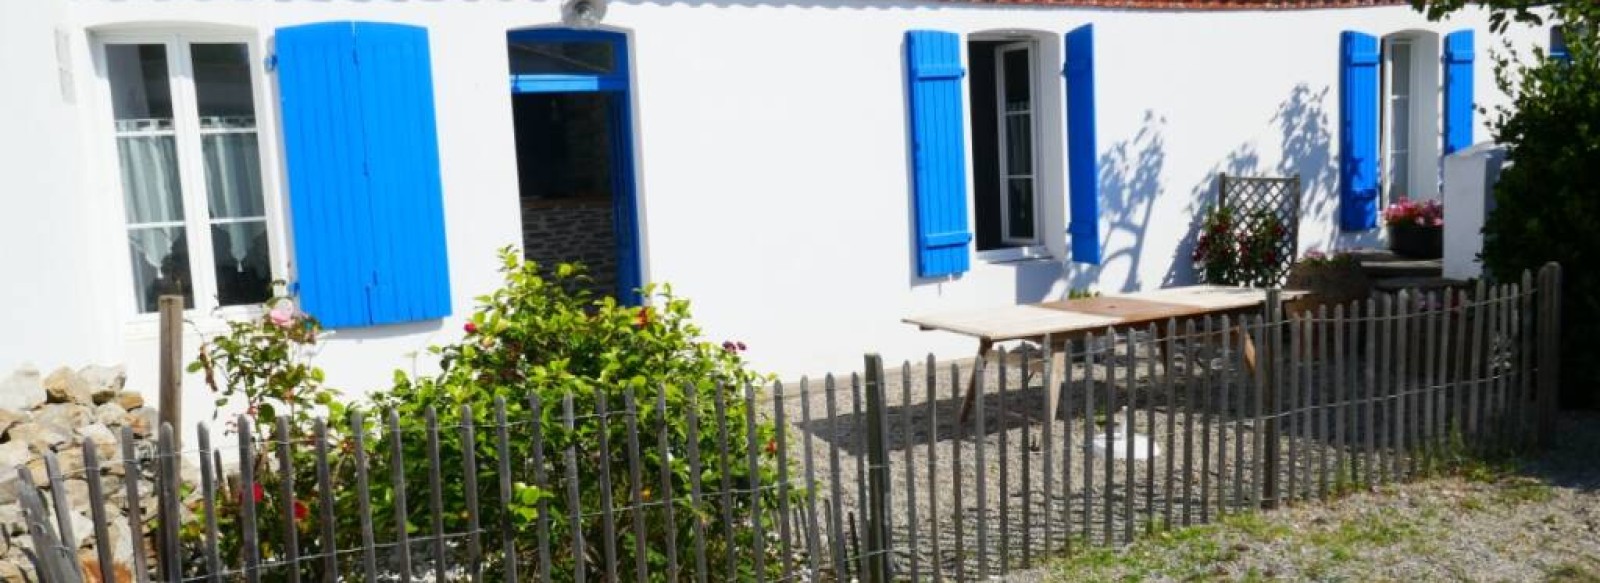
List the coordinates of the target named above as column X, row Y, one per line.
column 1251, row 198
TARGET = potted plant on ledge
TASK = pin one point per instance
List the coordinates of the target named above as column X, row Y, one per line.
column 1415, row 229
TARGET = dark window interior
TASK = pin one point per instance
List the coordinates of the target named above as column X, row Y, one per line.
column 985, row 144
column 563, row 145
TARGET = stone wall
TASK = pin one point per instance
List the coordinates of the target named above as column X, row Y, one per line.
column 56, row 413
column 572, row 230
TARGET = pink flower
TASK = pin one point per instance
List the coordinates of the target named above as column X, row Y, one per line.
column 1438, row 221
column 1421, row 222
column 470, row 328
column 282, row 315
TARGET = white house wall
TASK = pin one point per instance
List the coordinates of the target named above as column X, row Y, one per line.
column 772, row 157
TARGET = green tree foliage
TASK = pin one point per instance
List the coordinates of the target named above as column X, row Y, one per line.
column 1548, row 198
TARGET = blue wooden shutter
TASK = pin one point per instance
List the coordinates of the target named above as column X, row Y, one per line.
column 1458, row 107
column 412, row 280
column 938, row 151
column 1358, row 131
column 324, row 150
column 363, row 169
column 1083, row 173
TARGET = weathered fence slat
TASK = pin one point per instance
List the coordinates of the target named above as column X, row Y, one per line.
column 1169, row 383
column 1294, row 407
column 1525, row 421
column 1026, row 476
column 329, row 543
column 836, row 497
column 54, row 562
column 434, row 492
column 1088, row 437
column 608, row 521
column 397, row 459
column 248, row 488
column 502, row 454
column 1108, row 495
column 1002, row 427
column 752, row 452
column 1225, row 411
column 1474, row 379
column 669, row 500
column 369, row 551
column 957, row 470
column 1129, row 463
column 63, row 510
column 1401, row 385
column 981, row 482
column 858, row 522
column 469, row 474
column 97, row 512
column 569, row 457
column 781, row 448
column 1327, row 410
column 937, row 563
column 812, row 539
column 541, row 479
column 908, row 454
column 291, row 534
column 1204, row 351
column 1049, row 376
column 636, row 486
column 1191, row 386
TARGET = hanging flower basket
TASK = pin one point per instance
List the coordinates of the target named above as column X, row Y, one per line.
column 1415, row 229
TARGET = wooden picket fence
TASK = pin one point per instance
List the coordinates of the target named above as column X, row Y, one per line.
column 893, row 487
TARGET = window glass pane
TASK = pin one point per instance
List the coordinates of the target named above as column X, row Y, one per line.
column 244, row 267
column 1019, row 208
column 149, row 165
column 549, row 57
column 1019, row 144
column 1399, row 176
column 222, row 85
column 141, row 96
column 1400, row 125
column 233, row 175
column 1018, row 96
column 1400, row 69
column 160, row 265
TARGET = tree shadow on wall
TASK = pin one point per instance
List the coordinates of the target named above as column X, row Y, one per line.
column 1130, row 183
column 1307, row 147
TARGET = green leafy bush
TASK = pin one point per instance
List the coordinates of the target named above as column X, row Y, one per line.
column 548, row 337
column 1230, row 254
column 1547, row 202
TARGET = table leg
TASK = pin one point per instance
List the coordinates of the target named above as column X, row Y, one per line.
column 1057, row 375
column 1249, row 355
column 972, row 385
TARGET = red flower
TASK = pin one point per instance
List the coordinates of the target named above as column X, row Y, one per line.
column 730, row 346
column 259, row 493
column 471, row 328
column 643, row 319
column 772, row 447
column 301, row 511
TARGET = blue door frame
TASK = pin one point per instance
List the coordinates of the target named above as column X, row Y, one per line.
column 624, row 206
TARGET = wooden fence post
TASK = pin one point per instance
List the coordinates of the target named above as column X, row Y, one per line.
column 1549, row 351
column 171, row 371
column 1269, row 363
column 877, row 550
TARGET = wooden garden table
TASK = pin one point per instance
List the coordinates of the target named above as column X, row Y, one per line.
column 1056, row 323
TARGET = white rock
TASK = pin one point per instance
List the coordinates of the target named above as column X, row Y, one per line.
column 109, row 414
column 65, row 386
column 23, row 390
column 1120, row 446
column 104, row 381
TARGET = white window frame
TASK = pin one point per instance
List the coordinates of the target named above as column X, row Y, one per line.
column 1045, row 183
column 191, row 168
column 1390, row 101
column 1026, row 47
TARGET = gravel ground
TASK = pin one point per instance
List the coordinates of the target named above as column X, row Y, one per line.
column 1023, row 515
column 1534, row 521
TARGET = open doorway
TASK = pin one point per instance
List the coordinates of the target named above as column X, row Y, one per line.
column 570, row 106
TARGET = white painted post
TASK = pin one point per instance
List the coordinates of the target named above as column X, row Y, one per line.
column 1469, row 177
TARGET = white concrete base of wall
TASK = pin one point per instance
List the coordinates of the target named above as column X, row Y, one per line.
column 1469, row 177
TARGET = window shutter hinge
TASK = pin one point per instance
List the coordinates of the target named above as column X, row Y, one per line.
column 270, row 63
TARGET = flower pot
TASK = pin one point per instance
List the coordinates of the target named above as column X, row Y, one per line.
column 1416, row 241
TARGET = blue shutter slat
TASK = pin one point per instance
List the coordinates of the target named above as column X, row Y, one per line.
column 1458, row 80
column 411, row 275
column 938, row 152
column 363, row 166
column 1083, row 174
column 324, row 153
column 1358, row 131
